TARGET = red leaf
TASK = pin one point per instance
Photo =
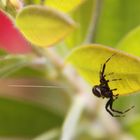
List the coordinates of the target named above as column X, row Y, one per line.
column 11, row 40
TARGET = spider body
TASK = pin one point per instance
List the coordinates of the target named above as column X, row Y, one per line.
column 103, row 90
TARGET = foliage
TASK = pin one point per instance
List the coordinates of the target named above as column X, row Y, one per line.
column 81, row 59
column 42, row 97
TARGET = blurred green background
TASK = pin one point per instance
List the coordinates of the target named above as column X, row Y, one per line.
column 67, row 109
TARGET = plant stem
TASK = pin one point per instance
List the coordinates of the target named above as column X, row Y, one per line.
column 52, row 134
column 72, row 119
column 94, row 22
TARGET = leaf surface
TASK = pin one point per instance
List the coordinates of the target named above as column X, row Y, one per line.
column 21, row 118
column 85, row 11
column 11, row 40
column 43, row 26
column 89, row 58
column 64, row 5
column 131, row 42
column 117, row 18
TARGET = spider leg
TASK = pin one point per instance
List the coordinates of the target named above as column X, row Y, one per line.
column 106, row 81
column 120, row 112
column 116, row 79
column 104, row 65
column 116, row 96
column 114, row 90
column 108, row 105
column 113, row 80
column 111, row 106
column 128, row 109
column 109, row 74
column 101, row 70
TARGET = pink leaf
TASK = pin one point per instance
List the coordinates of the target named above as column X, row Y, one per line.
column 11, row 40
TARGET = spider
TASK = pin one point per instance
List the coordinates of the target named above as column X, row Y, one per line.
column 103, row 90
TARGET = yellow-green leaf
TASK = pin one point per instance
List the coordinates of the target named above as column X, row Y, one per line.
column 43, row 26
column 89, row 58
column 85, row 11
column 64, row 5
column 131, row 42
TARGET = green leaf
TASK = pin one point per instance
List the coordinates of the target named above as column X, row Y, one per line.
column 89, row 58
column 117, row 17
column 21, row 118
column 48, row 92
column 64, row 5
column 10, row 63
column 27, row 2
column 133, row 127
column 85, row 12
column 131, row 42
column 43, row 26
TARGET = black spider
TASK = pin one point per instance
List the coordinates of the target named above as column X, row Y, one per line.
column 103, row 90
